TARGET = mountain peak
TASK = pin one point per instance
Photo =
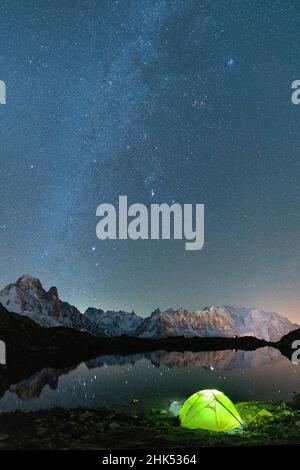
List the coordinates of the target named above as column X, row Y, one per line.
column 223, row 321
column 53, row 292
column 28, row 280
column 156, row 312
column 114, row 323
column 28, row 297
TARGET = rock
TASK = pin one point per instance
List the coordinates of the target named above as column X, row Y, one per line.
column 4, row 437
column 41, row 431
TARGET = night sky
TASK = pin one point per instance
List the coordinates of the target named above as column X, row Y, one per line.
column 185, row 101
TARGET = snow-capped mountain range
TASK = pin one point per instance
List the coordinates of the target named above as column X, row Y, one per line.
column 114, row 323
column 225, row 321
column 28, row 297
column 220, row 360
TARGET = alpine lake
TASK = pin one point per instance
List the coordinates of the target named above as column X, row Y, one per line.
column 110, row 392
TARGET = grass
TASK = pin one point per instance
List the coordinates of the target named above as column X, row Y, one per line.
column 267, row 423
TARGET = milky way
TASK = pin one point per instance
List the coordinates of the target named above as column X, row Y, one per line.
column 162, row 101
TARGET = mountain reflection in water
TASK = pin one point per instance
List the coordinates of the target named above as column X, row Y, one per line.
column 156, row 377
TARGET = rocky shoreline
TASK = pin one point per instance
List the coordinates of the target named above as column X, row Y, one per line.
column 268, row 423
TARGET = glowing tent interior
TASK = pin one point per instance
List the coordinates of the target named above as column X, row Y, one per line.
column 211, row 410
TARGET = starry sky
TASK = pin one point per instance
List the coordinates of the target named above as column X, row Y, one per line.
column 185, row 101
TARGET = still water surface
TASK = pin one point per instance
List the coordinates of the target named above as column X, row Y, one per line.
column 156, row 378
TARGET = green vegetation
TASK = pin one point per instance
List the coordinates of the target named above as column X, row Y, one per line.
column 267, row 423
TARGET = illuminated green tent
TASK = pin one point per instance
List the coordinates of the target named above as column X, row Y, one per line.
column 209, row 409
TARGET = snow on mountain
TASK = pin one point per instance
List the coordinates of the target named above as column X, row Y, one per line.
column 32, row 387
column 28, row 297
column 221, row 360
column 253, row 322
column 225, row 321
column 168, row 323
column 114, row 323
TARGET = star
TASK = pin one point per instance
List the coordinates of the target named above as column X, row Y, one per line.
column 159, row 109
